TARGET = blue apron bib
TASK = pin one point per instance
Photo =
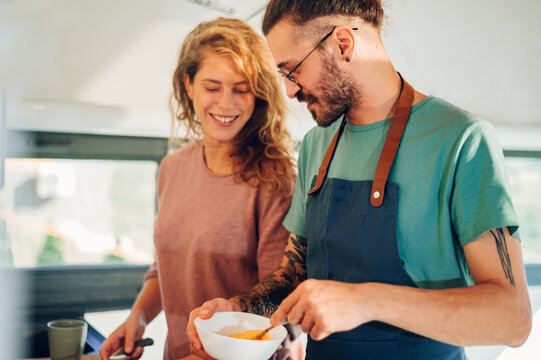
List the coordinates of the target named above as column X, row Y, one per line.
column 351, row 233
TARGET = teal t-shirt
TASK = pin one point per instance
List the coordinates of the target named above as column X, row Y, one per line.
column 452, row 185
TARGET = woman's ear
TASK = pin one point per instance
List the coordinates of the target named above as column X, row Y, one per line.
column 346, row 42
column 188, row 85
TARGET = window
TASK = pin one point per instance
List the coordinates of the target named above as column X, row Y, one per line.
column 78, row 212
column 524, row 171
column 76, row 215
column 76, row 224
column 525, row 177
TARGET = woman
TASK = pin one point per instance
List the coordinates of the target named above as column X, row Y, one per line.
column 222, row 198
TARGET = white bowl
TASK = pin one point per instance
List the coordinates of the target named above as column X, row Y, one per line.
column 214, row 335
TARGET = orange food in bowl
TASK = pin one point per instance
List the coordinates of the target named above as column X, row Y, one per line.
column 250, row 335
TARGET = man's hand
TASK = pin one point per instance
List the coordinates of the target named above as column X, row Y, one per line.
column 323, row 307
column 206, row 311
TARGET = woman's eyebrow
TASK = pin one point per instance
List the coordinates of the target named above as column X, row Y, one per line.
column 244, row 82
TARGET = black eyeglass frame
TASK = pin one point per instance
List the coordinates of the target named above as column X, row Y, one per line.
column 288, row 75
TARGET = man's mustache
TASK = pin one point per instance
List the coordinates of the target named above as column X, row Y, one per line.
column 305, row 97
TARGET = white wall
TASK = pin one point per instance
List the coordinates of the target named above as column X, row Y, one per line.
column 481, row 55
column 105, row 66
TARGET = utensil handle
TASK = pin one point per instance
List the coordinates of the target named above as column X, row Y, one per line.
column 143, row 342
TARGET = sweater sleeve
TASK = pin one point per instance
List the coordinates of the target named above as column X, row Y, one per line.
column 151, row 272
column 272, row 238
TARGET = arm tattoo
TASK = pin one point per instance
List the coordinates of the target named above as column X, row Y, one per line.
column 501, row 245
column 265, row 297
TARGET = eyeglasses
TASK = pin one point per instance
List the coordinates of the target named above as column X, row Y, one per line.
column 288, row 75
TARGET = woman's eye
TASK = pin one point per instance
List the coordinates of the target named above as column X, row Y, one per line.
column 241, row 91
column 212, row 89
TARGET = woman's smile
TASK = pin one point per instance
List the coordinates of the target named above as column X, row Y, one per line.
column 224, row 120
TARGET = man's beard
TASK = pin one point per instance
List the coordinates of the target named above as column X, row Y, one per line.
column 337, row 94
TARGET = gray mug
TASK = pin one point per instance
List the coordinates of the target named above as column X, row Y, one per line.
column 67, row 339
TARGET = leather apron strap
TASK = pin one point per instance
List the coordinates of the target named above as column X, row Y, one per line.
column 322, row 173
column 396, row 130
column 398, row 124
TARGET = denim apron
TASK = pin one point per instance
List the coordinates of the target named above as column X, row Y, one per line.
column 351, row 234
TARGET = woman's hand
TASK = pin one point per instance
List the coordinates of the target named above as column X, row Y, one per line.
column 124, row 336
column 205, row 312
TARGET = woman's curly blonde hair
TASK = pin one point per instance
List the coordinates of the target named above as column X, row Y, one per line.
column 262, row 149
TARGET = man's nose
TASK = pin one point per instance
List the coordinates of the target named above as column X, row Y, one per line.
column 291, row 88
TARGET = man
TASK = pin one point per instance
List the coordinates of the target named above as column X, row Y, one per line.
column 403, row 235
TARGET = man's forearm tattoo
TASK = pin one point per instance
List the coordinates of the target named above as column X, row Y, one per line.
column 265, row 297
column 501, row 245
column 296, row 264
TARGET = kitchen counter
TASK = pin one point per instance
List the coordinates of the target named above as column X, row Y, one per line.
column 85, row 357
column 36, row 346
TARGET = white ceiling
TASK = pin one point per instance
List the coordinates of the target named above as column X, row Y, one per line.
column 107, row 58
column 105, row 64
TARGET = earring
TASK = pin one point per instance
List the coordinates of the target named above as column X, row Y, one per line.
column 348, row 59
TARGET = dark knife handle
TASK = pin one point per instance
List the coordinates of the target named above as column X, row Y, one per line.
column 141, row 343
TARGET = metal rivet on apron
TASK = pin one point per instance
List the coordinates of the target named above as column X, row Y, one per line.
column 376, row 195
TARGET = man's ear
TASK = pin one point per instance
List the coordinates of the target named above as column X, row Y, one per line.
column 346, row 41
column 188, row 85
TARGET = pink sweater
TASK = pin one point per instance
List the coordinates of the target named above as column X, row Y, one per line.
column 214, row 237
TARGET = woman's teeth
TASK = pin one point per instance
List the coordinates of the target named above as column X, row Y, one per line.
column 224, row 119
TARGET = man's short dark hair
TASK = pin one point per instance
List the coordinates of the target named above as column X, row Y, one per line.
column 302, row 11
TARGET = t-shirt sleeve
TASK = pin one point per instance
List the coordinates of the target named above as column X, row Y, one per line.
column 295, row 221
column 481, row 199
column 273, row 236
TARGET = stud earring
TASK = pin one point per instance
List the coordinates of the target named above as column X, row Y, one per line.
column 348, row 59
